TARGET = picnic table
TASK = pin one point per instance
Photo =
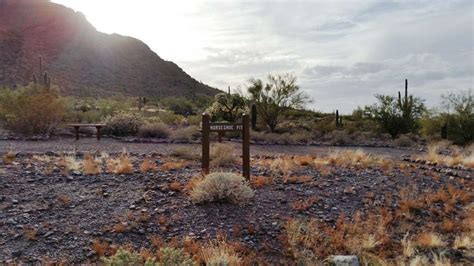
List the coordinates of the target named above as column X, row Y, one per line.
column 97, row 126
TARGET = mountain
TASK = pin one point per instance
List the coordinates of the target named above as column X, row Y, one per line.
column 79, row 59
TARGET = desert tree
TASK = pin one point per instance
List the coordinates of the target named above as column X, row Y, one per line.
column 460, row 116
column 397, row 115
column 279, row 94
column 227, row 106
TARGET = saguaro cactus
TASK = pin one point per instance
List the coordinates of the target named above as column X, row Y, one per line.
column 338, row 120
column 405, row 104
column 254, row 116
column 44, row 78
column 141, row 102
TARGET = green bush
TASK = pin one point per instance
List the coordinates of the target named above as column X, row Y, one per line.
column 90, row 110
column 122, row 258
column 460, row 122
column 156, row 130
column 174, row 256
column 122, row 124
column 31, row 110
column 179, row 105
column 171, row 118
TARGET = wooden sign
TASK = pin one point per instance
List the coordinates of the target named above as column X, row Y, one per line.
column 222, row 127
column 208, row 127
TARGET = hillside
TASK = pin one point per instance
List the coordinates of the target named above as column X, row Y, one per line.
column 81, row 60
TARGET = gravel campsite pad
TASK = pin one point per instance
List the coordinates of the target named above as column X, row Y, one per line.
column 45, row 213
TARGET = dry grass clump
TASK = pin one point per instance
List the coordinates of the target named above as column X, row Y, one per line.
column 457, row 157
column 304, row 204
column 283, row 164
column 175, row 186
column 121, row 165
column 429, row 240
column 184, row 153
column 154, row 130
column 91, row 165
column 222, row 187
column 9, row 157
column 64, row 199
column 260, row 181
column 69, row 163
column 220, row 253
column 148, row 165
column 349, row 157
column 222, row 154
column 30, row 233
column 173, row 165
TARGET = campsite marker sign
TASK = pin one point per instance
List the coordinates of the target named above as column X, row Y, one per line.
column 208, row 127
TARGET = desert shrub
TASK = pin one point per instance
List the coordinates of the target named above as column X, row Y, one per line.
column 92, row 110
column 122, row 124
column 194, row 120
column 179, row 105
column 222, row 154
column 155, row 130
column 460, row 123
column 171, row 118
column 396, row 116
column 273, row 98
column 220, row 253
column 183, row 152
column 174, row 256
column 228, row 107
column 339, row 137
column 31, row 110
column 186, row 134
column 123, row 257
column 403, row 141
column 222, row 187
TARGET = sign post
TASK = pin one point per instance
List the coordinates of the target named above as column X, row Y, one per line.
column 220, row 128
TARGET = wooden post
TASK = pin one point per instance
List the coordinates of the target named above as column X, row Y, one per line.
column 98, row 131
column 219, row 136
column 76, row 129
column 205, row 143
column 246, row 146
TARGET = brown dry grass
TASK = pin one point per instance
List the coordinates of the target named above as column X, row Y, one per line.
column 222, row 155
column 9, row 157
column 30, row 233
column 121, row 165
column 175, row 186
column 91, row 165
column 148, row 165
column 260, row 181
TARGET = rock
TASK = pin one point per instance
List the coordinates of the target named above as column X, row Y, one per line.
column 344, row 260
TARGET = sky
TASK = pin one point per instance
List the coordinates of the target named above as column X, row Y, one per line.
column 343, row 52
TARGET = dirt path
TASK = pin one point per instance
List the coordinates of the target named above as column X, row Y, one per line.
column 113, row 146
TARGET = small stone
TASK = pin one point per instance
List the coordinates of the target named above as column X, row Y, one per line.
column 344, row 260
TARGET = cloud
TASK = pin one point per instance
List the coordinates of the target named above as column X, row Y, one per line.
column 343, row 52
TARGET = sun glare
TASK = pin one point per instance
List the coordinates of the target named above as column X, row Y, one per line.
column 167, row 26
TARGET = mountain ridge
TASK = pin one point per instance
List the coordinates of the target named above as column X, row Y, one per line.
column 81, row 59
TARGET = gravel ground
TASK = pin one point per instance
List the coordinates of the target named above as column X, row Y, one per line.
column 112, row 146
column 68, row 212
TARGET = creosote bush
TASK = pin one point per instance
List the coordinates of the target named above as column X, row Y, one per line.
column 222, row 186
column 31, row 110
column 122, row 124
column 154, row 130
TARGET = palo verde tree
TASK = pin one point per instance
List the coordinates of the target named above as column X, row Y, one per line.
column 397, row 116
column 459, row 118
column 227, row 106
column 273, row 98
